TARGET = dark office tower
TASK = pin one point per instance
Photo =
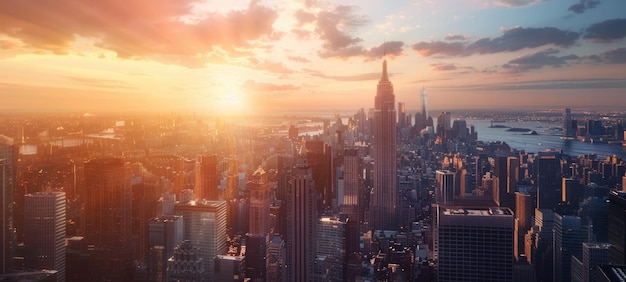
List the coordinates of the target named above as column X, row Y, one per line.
column 276, row 260
column 548, row 182
column 350, row 202
column 319, row 157
column 384, row 200
column 187, row 264
column 108, row 217
column 475, row 244
column 301, row 221
column 331, row 245
column 207, row 178
column 593, row 255
column 569, row 125
column 259, row 203
column 501, row 195
column 482, row 167
column 459, row 130
column 512, row 174
column 523, row 221
column 571, row 192
column 617, row 227
column 7, row 180
column 204, row 224
column 401, row 115
column 256, row 254
column 569, row 235
column 443, row 125
column 230, row 268
column 292, row 133
column 44, row 231
column 446, row 187
column 164, row 233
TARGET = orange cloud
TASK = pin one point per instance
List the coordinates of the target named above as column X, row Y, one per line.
column 158, row 29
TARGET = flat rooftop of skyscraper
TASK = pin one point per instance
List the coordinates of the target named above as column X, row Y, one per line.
column 478, row 212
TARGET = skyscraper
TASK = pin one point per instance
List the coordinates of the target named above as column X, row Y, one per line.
column 384, row 201
column 569, row 125
column 187, row 264
column 548, row 182
column 301, row 221
column 424, row 95
column 401, row 115
column 446, row 187
column 206, row 178
column 617, row 227
column 108, row 217
column 204, row 224
column 164, row 233
column 7, row 178
column 259, row 205
column 475, row 244
column 569, row 235
column 44, row 231
column 331, row 237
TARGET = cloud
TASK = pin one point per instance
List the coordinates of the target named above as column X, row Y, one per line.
column 298, row 59
column 358, row 77
column 583, row 5
column 333, row 27
column 518, row 38
column 158, row 29
column 259, row 87
column 456, row 37
column 614, row 56
column 443, row 67
column 390, row 49
column 512, row 39
column 439, row 47
column 538, row 60
column 304, row 17
column 517, row 3
column 606, row 31
column 590, row 83
column 100, row 83
column 273, row 67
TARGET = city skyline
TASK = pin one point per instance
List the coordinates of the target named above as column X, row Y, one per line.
column 251, row 57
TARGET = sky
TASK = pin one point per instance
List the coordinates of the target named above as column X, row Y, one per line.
column 279, row 57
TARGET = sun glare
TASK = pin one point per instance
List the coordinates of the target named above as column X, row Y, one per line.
column 231, row 102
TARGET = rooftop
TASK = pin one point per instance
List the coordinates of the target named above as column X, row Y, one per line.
column 477, row 211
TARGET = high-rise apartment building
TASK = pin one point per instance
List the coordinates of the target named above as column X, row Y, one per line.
column 548, row 171
column 44, row 231
column 301, row 224
column 569, row 235
column 331, row 245
column 207, row 178
column 7, row 180
column 164, row 233
column 475, row 244
column 204, row 224
column 108, row 217
column 384, row 200
column 617, row 227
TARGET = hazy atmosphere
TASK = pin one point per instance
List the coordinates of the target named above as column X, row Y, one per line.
column 249, row 57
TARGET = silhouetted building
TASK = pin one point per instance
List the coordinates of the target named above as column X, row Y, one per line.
column 475, row 244
column 207, row 178
column 401, row 115
column 569, row 126
column 569, row 234
column 7, row 180
column 259, row 203
column 204, row 224
column 617, row 227
column 446, row 187
column 164, row 233
column 276, row 260
column 108, row 218
column 548, row 182
column 44, row 231
column 301, row 223
column 331, row 244
column 230, row 268
column 187, row 264
column 384, row 199
column 256, row 255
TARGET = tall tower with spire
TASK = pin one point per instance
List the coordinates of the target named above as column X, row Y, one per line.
column 384, row 200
